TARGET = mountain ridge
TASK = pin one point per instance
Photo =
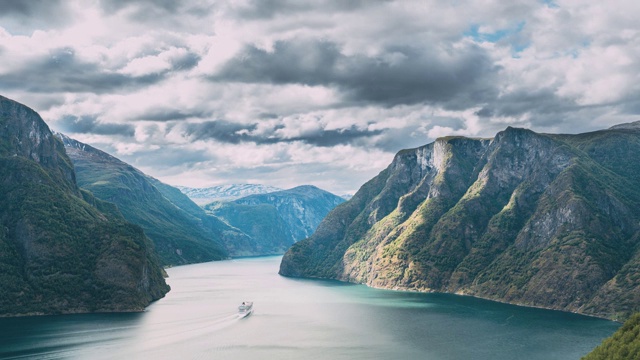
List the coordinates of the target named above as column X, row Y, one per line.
column 228, row 192
column 531, row 219
column 183, row 231
column 179, row 236
column 277, row 218
column 61, row 249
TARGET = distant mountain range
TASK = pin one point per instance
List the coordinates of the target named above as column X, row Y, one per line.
column 277, row 219
column 61, row 249
column 203, row 196
column 179, row 237
column 533, row 219
column 181, row 230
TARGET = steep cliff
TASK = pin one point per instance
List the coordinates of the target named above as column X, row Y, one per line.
column 527, row 218
column 61, row 249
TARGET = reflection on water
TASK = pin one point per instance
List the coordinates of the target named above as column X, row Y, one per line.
column 302, row 319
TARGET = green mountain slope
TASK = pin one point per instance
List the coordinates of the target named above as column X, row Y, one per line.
column 62, row 250
column 236, row 242
column 179, row 235
column 624, row 344
column 278, row 219
column 531, row 219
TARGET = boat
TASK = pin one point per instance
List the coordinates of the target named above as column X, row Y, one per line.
column 245, row 309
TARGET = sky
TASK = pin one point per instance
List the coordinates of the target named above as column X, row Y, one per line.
column 288, row 92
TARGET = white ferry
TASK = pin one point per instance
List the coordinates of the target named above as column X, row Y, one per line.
column 245, row 309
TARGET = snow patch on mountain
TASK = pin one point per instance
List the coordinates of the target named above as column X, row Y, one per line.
column 229, row 192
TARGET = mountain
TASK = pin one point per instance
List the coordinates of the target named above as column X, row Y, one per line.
column 203, row 196
column 278, row 219
column 623, row 344
column 532, row 219
column 182, row 231
column 61, row 249
column 179, row 236
column 236, row 242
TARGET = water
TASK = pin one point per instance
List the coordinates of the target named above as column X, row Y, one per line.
column 302, row 319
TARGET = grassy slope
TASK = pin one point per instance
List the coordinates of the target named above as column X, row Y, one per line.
column 179, row 237
column 236, row 242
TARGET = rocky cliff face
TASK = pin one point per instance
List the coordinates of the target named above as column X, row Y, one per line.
column 61, row 249
column 278, row 219
column 527, row 218
column 25, row 135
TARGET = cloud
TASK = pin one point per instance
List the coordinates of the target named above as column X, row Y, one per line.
column 170, row 59
column 169, row 114
column 398, row 75
column 22, row 16
column 164, row 13
column 330, row 138
column 27, row 8
column 327, row 91
column 287, row 164
column 275, row 132
column 111, row 6
column 71, row 124
column 269, row 9
column 62, row 71
column 219, row 130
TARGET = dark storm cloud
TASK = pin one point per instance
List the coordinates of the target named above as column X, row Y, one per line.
column 29, row 8
column 540, row 101
column 90, row 125
column 22, row 16
column 402, row 75
column 328, row 138
column 188, row 61
column 171, row 114
column 541, row 107
column 62, row 71
column 116, row 5
column 268, row 9
column 220, row 130
column 158, row 11
column 234, row 133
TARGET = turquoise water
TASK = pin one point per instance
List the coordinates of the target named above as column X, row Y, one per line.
column 302, row 319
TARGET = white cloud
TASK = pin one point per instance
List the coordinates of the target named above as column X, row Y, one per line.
column 154, row 72
column 216, row 50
